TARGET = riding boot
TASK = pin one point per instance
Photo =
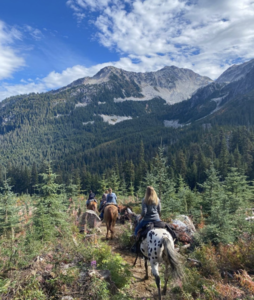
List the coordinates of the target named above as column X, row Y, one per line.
column 135, row 247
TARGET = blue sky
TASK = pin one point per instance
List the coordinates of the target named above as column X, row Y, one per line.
column 47, row 44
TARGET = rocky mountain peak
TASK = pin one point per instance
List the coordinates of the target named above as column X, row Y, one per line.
column 170, row 83
column 236, row 72
column 106, row 71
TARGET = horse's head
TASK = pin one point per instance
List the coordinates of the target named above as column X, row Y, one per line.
column 135, row 219
column 122, row 208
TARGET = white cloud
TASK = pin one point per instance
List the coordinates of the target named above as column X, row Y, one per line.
column 54, row 80
column 34, row 32
column 9, row 59
column 207, row 36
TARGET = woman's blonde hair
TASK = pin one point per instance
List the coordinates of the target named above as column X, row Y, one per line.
column 151, row 196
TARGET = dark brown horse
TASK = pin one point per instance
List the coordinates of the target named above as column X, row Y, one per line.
column 110, row 216
column 125, row 213
column 92, row 206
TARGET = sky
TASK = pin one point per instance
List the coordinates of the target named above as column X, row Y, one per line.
column 47, row 44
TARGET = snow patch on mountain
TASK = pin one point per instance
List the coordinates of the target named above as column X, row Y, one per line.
column 172, row 123
column 112, row 120
column 89, row 122
column 81, row 104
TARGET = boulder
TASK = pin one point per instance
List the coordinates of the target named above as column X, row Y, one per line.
column 89, row 219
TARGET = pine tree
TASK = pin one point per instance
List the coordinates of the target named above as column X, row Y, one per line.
column 181, row 164
column 9, row 211
column 142, row 167
column 186, row 198
column 103, row 185
column 239, row 192
column 237, row 158
column 114, row 182
column 49, row 217
column 219, row 226
column 34, row 179
column 160, row 170
column 123, row 187
column 223, row 156
column 131, row 189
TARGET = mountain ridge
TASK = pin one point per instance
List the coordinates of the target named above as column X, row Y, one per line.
column 170, row 83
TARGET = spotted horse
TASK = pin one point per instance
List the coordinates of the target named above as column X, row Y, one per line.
column 158, row 248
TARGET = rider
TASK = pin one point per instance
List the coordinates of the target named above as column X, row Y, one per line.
column 111, row 198
column 90, row 198
column 151, row 209
column 103, row 200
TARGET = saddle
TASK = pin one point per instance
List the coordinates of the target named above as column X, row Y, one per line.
column 142, row 233
column 158, row 224
column 107, row 204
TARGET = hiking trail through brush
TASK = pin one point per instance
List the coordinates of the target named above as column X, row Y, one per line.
column 139, row 288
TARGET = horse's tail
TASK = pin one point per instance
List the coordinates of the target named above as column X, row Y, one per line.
column 111, row 220
column 173, row 258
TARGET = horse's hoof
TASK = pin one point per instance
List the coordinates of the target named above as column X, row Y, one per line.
column 164, row 292
column 146, row 277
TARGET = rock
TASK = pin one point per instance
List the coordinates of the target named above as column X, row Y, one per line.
column 90, row 219
column 184, row 222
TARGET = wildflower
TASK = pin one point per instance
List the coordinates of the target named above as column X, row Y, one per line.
column 93, row 264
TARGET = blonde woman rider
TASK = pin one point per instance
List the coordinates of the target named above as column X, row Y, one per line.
column 151, row 208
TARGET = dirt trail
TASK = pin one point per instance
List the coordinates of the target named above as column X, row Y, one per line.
column 139, row 288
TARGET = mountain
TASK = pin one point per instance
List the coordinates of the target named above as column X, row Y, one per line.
column 170, row 83
column 229, row 97
column 68, row 124
column 236, row 72
column 99, row 122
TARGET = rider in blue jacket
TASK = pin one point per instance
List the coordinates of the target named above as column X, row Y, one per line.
column 111, row 198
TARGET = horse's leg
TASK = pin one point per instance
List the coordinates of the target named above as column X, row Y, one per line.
column 107, row 224
column 155, row 271
column 146, row 266
column 135, row 261
column 112, row 228
column 166, row 276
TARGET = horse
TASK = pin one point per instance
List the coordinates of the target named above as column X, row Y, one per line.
column 158, row 247
column 110, row 216
column 92, row 205
column 125, row 213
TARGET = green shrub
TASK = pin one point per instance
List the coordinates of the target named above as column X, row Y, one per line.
column 125, row 237
column 98, row 290
column 120, row 272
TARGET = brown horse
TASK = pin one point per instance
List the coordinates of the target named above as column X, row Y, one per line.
column 110, row 216
column 93, row 206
